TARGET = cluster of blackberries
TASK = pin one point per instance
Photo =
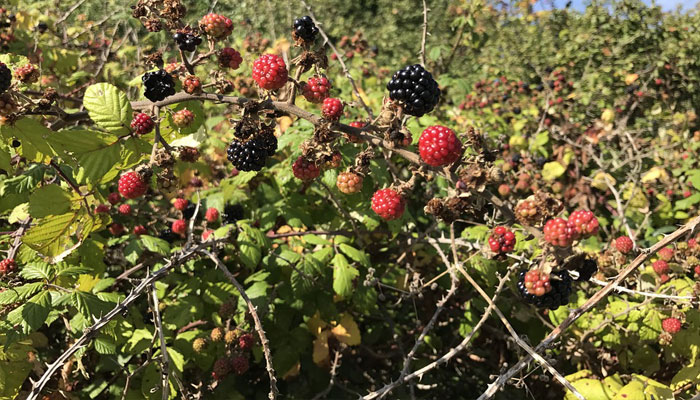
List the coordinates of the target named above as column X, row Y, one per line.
column 6, row 19
column 558, row 295
column 187, row 41
column 415, row 89
column 586, row 269
column 252, row 154
column 158, row 85
column 5, row 78
column 232, row 213
column 305, row 29
column 168, row 235
column 188, row 212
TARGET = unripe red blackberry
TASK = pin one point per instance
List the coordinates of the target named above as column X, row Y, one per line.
column 125, row 209
column 354, row 138
column 7, row 266
column 240, row 365
column 349, row 182
column 183, row 118
column 198, row 345
column 537, row 283
column 216, row 26
column 439, row 146
column 671, row 325
column 229, row 58
column 660, row 267
column 114, row 198
column 27, row 74
column 624, row 244
column 140, row 230
column 230, row 337
column 131, row 185
column 332, row 109
column 305, row 170
column 222, row 367
column 558, row 233
column 316, row 89
column 502, row 240
column 333, row 161
column 180, row 204
column 192, row 85
column 245, row 341
column 217, row 334
column 665, row 254
column 584, row 223
column 116, row 229
column 179, row 226
column 206, row 234
column 142, row 124
column 388, row 204
column 102, row 209
column 270, row 72
column 503, row 190
column 212, row 214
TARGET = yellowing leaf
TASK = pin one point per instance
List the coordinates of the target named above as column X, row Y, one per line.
column 316, row 324
column 608, row 115
column 87, row 282
column 321, row 354
column 654, row 174
column 631, row 78
column 599, row 181
column 552, row 170
column 347, row 331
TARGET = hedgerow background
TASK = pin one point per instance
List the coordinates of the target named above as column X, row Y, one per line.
column 590, row 110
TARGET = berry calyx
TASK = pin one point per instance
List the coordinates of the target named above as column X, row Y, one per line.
column 5, row 78
column 660, row 267
column 439, row 146
column 502, row 240
column 332, row 109
column 212, row 214
column 179, row 226
column 216, row 26
column 142, row 124
column 388, row 204
column 158, row 85
column 125, row 209
column 304, row 29
column 180, row 204
column 349, row 182
column 140, row 230
column 415, row 89
column 671, row 325
column 584, row 223
column 559, row 233
column 270, row 72
column 7, row 266
column 229, row 58
column 305, row 170
column 131, row 185
column 624, row 244
column 316, row 89
column 183, row 118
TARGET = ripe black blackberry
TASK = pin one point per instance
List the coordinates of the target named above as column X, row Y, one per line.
column 168, row 235
column 560, row 282
column 586, row 269
column 5, row 78
column 252, row 154
column 305, row 29
column 415, row 89
column 158, row 85
column 188, row 212
column 232, row 213
column 187, row 41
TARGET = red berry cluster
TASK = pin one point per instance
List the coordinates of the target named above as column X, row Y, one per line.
column 27, row 74
column 584, row 223
column 125, row 209
column 229, row 58
column 332, row 109
column 180, row 204
column 212, row 214
column 192, row 85
column 305, row 170
column 559, row 233
column 439, row 146
column 183, row 118
column 102, row 209
column 7, row 266
column 179, row 226
column 671, row 325
column 270, row 72
column 624, row 244
column 665, row 254
column 537, row 283
column 316, row 89
column 349, row 182
column 660, row 267
column 388, row 204
column 132, row 185
column 114, row 198
column 142, row 124
column 216, row 26
column 502, row 240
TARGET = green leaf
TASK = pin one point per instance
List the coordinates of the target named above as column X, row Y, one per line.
column 343, row 275
column 34, row 136
column 155, row 244
column 357, row 255
column 37, row 270
column 108, row 107
column 19, row 293
column 90, row 305
column 33, row 313
column 105, row 344
column 53, row 236
column 49, row 200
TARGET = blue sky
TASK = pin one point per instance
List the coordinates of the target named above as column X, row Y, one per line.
column 667, row 5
